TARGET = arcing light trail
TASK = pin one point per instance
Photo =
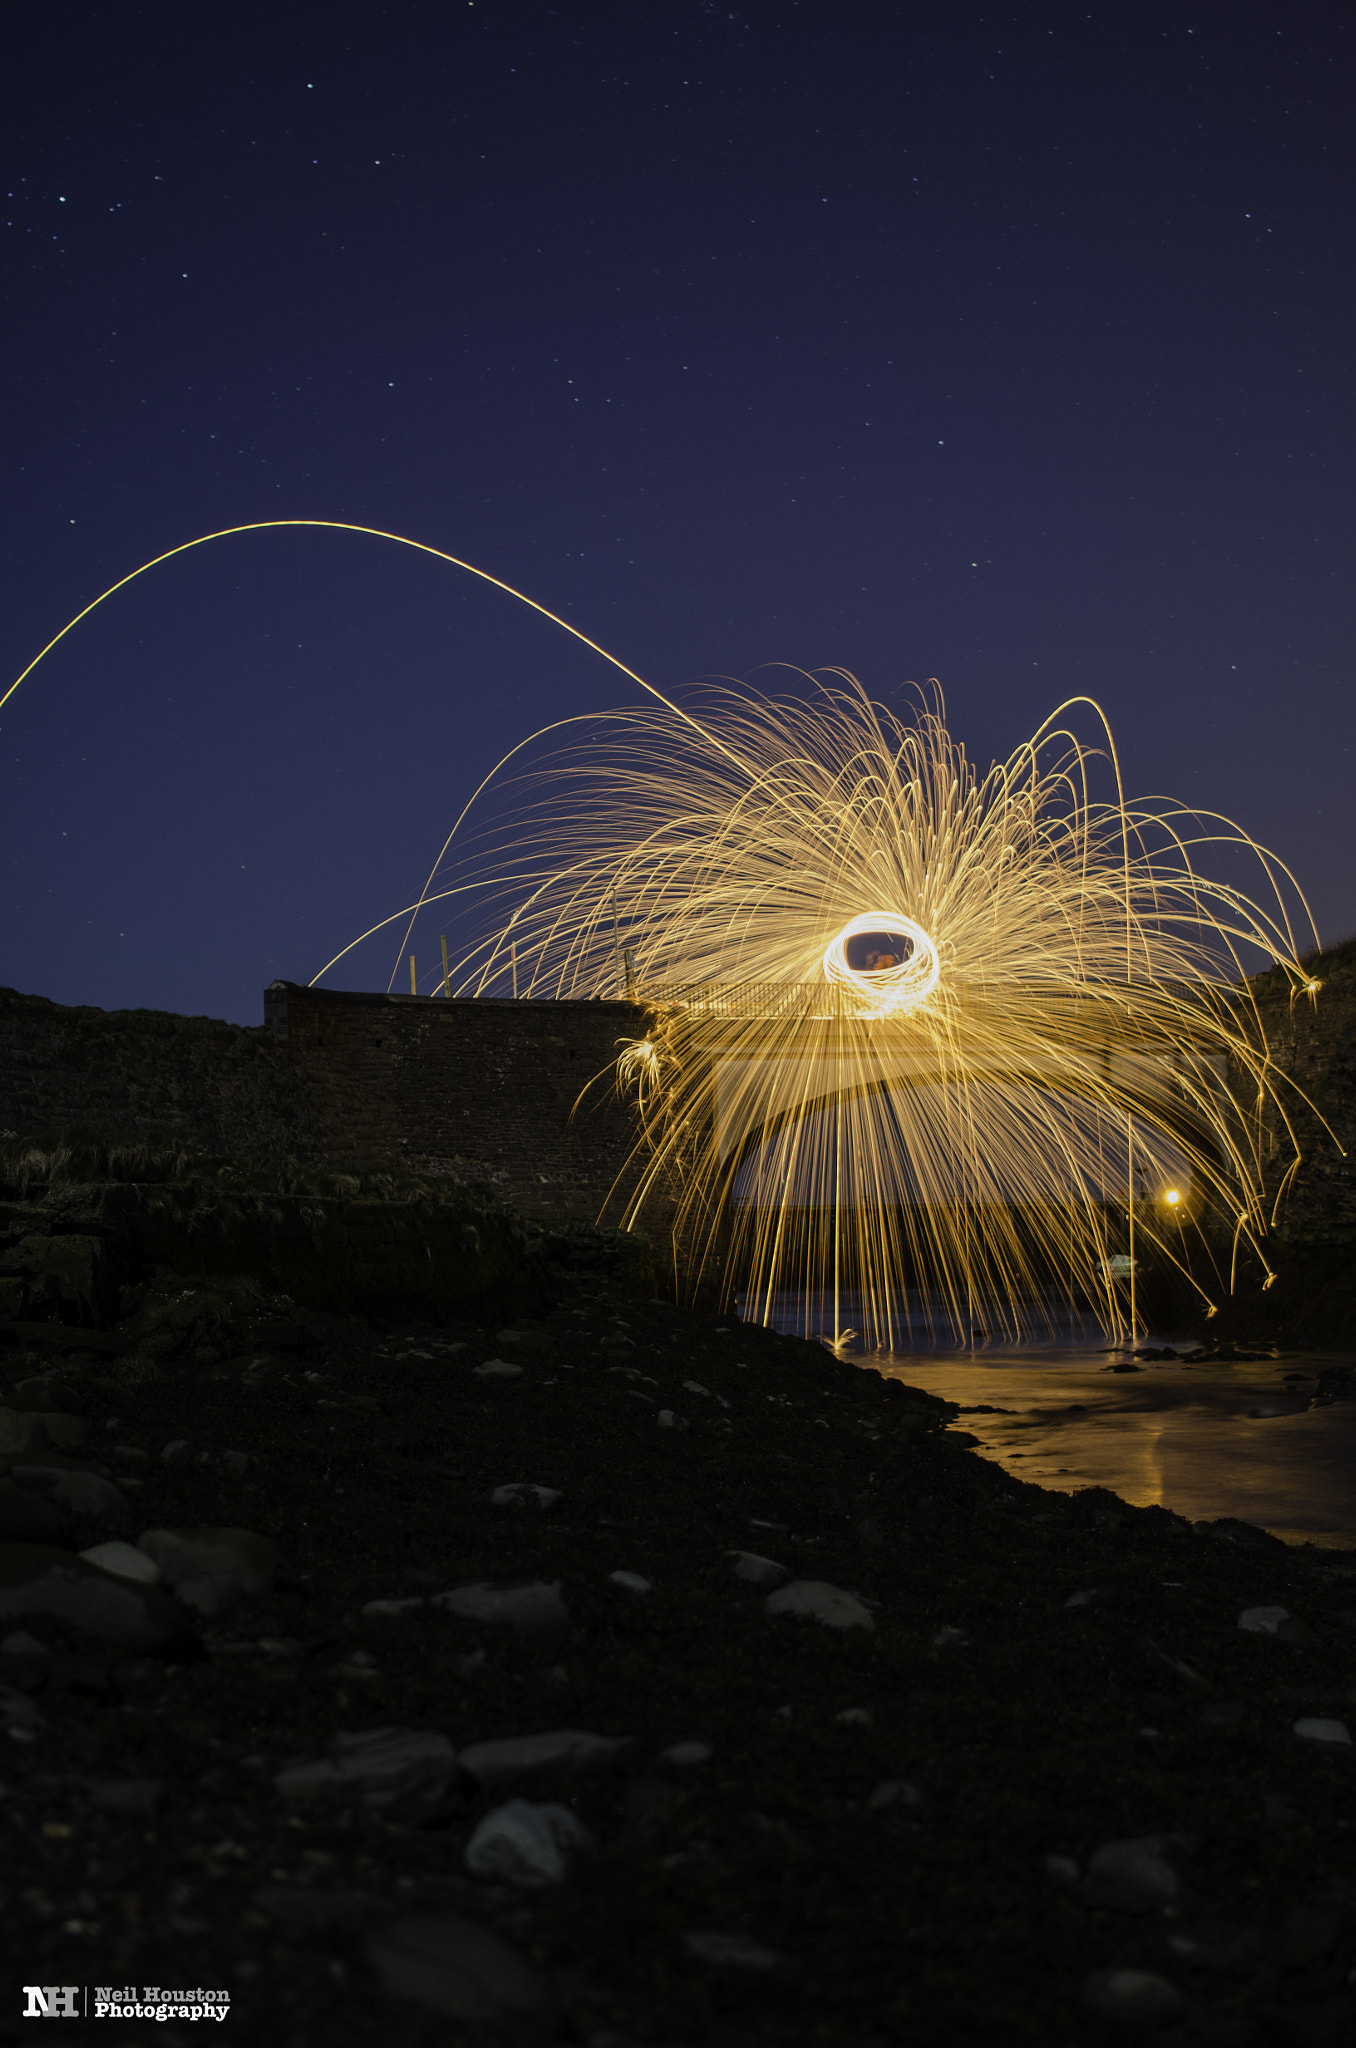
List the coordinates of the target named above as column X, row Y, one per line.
column 908, row 1023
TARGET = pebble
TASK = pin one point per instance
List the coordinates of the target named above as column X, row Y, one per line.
column 731, row 1951
column 1132, row 1876
column 1083, row 1599
column 668, row 1420
column 1287, row 1627
column 125, row 1795
column 632, row 1581
column 1176, row 1665
column 27, row 1518
column 301, row 1910
column 1308, row 1935
column 1330, row 1734
column 523, row 1844
column 24, row 1661
column 522, row 1494
column 210, row 1569
column 64, row 1432
column 853, row 1717
column 378, row 1765
column 535, row 1340
column 454, row 1967
column 406, row 1606
column 696, row 1387
column 1263, row 1621
column 125, row 1561
column 175, row 1451
column 48, row 1390
column 21, row 1433
column 18, row 1715
column 497, row 1369
column 685, row 1753
column 893, row 1792
column 534, row 1609
column 755, row 1570
column 514, row 1756
column 36, row 1578
column 84, row 1493
column 1135, row 1998
column 823, row 1602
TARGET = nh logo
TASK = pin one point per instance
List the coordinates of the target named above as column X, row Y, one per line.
column 52, row 2001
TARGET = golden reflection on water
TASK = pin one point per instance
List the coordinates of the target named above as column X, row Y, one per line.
column 1175, row 1436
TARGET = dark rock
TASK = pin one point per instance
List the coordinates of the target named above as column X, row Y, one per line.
column 210, row 1569
column 135, row 1797
column 26, row 1517
column 37, row 1578
column 380, row 1768
column 454, row 1967
column 1138, row 2000
column 1243, row 1534
column 522, row 1756
column 24, row 1661
column 272, row 1333
column 87, row 1494
column 1132, row 1877
column 46, row 1391
column 301, row 1911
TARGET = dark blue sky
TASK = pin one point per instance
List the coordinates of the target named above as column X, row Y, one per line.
column 1007, row 346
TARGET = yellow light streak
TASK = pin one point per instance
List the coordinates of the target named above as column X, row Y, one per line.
column 1072, row 994
column 948, row 1119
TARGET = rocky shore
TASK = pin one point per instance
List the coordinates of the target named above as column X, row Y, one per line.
column 609, row 1674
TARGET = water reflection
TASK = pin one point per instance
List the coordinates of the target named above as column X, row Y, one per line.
column 1202, row 1438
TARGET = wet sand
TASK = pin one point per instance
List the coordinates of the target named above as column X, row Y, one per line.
column 1206, row 1440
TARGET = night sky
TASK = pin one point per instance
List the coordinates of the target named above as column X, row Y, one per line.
column 1010, row 347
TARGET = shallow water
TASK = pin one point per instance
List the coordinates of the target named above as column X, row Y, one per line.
column 1203, row 1440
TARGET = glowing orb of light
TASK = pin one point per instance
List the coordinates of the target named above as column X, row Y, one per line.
column 1172, row 1198
column 886, row 989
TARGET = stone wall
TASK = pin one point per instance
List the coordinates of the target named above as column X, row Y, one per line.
column 521, row 1095
column 213, row 1087
column 1314, row 1043
column 516, row 1094
column 1305, row 1291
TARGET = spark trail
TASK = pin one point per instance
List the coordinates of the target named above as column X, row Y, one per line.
column 908, row 1024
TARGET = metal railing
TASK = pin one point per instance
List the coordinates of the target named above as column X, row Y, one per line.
column 755, row 999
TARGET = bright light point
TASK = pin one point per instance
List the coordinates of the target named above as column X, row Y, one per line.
column 1172, row 1198
column 892, row 984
